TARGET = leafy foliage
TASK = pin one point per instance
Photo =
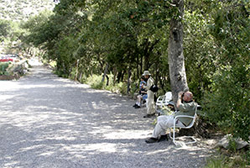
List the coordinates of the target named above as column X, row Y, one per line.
column 4, row 29
column 19, row 10
column 3, row 67
column 225, row 162
column 123, row 38
column 228, row 100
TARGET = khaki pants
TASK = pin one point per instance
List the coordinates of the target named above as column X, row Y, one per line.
column 150, row 102
column 163, row 123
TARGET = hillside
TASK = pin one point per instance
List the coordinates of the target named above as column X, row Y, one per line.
column 18, row 10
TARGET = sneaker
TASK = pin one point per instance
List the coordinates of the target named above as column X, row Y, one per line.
column 137, row 106
column 151, row 140
column 163, row 138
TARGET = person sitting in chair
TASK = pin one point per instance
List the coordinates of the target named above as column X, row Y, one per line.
column 142, row 93
column 186, row 106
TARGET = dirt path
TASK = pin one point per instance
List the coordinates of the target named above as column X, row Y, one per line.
column 53, row 122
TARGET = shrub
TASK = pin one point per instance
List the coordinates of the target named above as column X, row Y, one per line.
column 3, row 67
column 225, row 162
column 95, row 81
column 228, row 102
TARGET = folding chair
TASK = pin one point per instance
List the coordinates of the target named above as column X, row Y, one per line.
column 163, row 101
column 185, row 127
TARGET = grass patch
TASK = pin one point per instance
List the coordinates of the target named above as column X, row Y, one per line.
column 228, row 159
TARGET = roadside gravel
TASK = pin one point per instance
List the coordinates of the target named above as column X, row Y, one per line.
column 51, row 122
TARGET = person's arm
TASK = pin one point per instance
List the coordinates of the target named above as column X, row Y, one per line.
column 179, row 99
column 150, row 82
column 142, row 90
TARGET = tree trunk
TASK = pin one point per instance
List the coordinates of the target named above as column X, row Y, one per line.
column 146, row 54
column 115, row 75
column 77, row 68
column 107, row 77
column 119, row 76
column 128, row 82
column 137, row 66
column 141, row 65
column 105, row 72
column 175, row 53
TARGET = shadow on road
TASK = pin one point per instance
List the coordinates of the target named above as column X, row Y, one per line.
column 48, row 121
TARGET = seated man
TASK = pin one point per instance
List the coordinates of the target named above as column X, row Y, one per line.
column 186, row 106
column 142, row 94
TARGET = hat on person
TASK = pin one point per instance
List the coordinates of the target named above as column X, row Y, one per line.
column 146, row 73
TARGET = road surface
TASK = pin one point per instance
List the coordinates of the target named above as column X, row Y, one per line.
column 52, row 122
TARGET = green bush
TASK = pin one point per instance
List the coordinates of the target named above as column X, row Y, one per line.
column 72, row 74
column 3, row 67
column 247, row 157
column 228, row 102
column 122, row 87
column 95, row 81
column 226, row 162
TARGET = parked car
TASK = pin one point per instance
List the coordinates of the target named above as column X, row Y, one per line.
column 15, row 57
column 9, row 58
column 6, row 59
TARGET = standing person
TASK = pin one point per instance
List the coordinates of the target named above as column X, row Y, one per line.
column 186, row 106
column 150, row 102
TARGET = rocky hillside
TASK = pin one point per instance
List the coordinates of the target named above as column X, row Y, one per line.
column 17, row 10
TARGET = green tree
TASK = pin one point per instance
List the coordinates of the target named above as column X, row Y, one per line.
column 123, row 38
column 228, row 100
column 4, row 29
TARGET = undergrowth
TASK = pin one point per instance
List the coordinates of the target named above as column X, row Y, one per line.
column 95, row 81
column 229, row 159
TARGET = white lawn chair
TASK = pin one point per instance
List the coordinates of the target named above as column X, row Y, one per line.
column 185, row 127
column 163, row 101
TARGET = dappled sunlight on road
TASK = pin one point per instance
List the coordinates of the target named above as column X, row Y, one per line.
column 101, row 147
column 108, row 132
column 48, row 121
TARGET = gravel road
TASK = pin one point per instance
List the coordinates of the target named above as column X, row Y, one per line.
column 51, row 122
